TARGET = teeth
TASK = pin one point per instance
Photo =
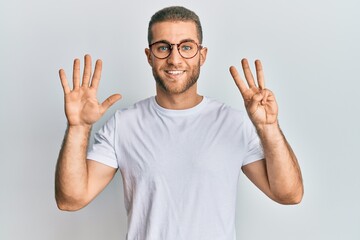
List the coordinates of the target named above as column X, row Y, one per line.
column 175, row 72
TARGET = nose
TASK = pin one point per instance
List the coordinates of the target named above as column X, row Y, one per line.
column 175, row 58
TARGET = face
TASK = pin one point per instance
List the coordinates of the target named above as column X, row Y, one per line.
column 175, row 74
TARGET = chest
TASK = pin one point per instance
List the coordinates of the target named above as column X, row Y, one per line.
column 179, row 149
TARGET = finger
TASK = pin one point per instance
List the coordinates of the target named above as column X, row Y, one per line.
column 254, row 104
column 238, row 81
column 260, row 74
column 76, row 74
column 87, row 70
column 97, row 74
column 64, row 82
column 269, row 96
column 265, row 94
column 247, row 72
column 110, row 101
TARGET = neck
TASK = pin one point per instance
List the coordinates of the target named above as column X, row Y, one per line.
column 178, row 101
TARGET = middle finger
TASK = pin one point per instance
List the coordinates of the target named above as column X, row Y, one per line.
column 87, row 70
column 247, row 72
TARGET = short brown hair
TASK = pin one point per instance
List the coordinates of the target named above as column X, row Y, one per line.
column 175, row 13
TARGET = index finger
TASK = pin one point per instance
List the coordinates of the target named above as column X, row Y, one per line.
column 97, row 74
column 238, row 81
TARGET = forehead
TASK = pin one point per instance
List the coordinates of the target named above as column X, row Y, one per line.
column 174, row 32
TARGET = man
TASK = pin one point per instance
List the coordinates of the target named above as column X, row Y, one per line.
column 179, row 153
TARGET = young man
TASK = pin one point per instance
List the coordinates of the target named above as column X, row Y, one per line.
column 179, row 153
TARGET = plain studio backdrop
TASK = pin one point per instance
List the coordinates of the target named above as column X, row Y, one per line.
column 310, row 53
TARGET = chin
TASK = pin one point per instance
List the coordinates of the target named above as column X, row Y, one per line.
column 174, row 86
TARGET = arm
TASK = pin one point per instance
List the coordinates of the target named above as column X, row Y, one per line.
column 77, row 180
column 279, row 175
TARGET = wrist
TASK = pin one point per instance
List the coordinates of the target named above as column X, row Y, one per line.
column 269, row 130
column 79, row 128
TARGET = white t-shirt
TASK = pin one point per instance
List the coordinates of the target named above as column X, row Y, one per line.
column 180, row 168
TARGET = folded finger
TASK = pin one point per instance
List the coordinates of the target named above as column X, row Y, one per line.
column 265, row 94
column 254, row 103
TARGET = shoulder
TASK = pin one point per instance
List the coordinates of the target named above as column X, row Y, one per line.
column 221, row 109
column 227, row 117
column 140, row 107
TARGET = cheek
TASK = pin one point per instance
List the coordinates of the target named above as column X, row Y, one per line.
column 155, row 64
column 157, row 67
column 196, row 64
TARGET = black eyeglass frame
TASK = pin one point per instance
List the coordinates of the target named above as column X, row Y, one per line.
column 199, row 47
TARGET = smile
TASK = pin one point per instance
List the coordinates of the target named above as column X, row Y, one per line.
column 174, row 72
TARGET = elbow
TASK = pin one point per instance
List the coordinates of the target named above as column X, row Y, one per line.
column 293, row 197
column 69, row 205
column 293, row 200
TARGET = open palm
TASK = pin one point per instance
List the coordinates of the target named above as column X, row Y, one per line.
column 81, row 105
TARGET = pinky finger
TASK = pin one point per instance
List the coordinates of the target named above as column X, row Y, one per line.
column 64, row 82
column 265, row 98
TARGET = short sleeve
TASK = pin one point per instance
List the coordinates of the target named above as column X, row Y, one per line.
column 103, row 149
column 254, row 149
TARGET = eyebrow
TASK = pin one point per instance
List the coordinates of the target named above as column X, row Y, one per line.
column 183, row 40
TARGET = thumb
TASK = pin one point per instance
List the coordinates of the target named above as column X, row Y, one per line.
column 110, row 101
column 254, row 103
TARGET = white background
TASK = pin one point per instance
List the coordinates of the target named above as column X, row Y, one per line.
column 310, row 52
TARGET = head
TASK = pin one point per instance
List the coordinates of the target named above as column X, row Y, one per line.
column 175, row 74
column 175, row 14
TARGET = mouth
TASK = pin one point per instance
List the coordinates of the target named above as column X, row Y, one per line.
column 174, row 72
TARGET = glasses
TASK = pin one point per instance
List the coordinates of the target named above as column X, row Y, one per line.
column 187, row 49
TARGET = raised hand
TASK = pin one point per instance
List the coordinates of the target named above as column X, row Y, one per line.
column 81, row 105
column 260, row 102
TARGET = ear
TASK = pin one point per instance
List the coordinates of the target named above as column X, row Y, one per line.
column 148, row 56
column 203, row 53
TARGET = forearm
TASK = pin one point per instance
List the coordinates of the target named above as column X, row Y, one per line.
column 283, row 171
column 71, row 177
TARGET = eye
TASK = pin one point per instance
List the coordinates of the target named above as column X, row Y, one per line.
column 163, row 48
column 186, row 47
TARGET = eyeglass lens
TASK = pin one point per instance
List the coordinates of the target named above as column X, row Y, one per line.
column 163, row 49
